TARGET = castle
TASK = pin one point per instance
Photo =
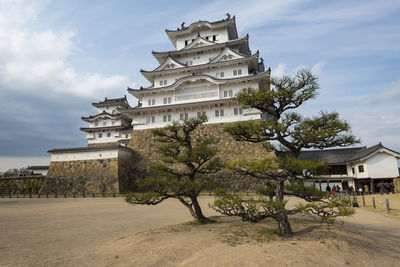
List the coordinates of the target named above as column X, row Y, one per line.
column 209, row 66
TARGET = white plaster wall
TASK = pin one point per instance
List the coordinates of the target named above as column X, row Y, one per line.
column 42, row 172
column 222, row 36
column 200, row 58
column 91, row 155
column 228, row 71
column 382, row 165
column 85, row 155
column 236, row 88
column 108, row 122
column 108, row 109
column 360, row 174
column 248, row 114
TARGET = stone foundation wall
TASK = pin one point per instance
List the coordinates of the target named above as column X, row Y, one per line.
column 91, row 176
column 396, row 185
column 143, row 143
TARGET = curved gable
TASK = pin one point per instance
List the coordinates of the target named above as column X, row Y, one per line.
column 227, row 54
column 169, row 63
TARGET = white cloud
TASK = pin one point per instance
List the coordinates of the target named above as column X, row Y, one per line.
column 391, row 94
column 37, row 61
column 317, row 68
column 278, row 71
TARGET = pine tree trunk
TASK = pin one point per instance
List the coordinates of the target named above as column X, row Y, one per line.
column 199, row 214
column 282, row 218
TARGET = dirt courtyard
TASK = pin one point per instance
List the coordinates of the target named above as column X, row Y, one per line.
column 110, row 232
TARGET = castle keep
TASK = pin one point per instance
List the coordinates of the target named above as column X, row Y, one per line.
column 210, row 64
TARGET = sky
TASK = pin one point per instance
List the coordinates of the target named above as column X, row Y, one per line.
column 57, row 57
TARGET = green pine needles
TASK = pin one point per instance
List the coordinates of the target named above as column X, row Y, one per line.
column 182, row 174
column 286, row 133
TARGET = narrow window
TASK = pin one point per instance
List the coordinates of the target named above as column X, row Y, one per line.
column 104, row 123
column 100, row 135
column 186, row 42
column 230, row 93
column 126, row 135
column 235, row 111
column 214, row 38
column 203, row 113
column 153, row 101
column 221, row 112
column 239, row 72
column 165, row 82
column 161, row 82
column 169, row 117
column 165, row 100
column 225, row 93
column 222, row 74
column 148, row 119
column 198, row 114
column 360, row 168
column 153, row 119
column 169, row 100
column 181, row 116
column 149, row 102
column 217, row 74
column 96, row 123
column 354, row 171
column 234, row 72
column 240, row 111
column 165, row 118
column 186, row 116
column 217, row 113
column 108, row 134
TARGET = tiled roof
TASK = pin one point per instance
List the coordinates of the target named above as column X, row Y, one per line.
column 104, row 113
column 112, row 101
column 116, row 127
column 183, row 28
column 341, row 155
column 330, row 156
column 38, row 167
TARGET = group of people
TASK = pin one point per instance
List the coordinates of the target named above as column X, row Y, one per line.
column 386, row 187
column 336, row 189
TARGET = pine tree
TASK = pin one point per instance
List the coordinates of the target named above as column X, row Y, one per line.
column 182, row 173
column 286, row 133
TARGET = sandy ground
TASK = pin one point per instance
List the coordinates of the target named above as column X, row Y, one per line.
column 380, row 203
column 110, row 232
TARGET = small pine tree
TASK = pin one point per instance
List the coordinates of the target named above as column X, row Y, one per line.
column 183, row 171
column 286, row 133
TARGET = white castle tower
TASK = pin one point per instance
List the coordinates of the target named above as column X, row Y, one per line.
column 108, row 125
column 209, row 66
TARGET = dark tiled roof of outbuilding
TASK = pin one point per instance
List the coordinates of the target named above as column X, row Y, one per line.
column 89, row 148
column 38, row 167
column 341, row 155
column 330, row 156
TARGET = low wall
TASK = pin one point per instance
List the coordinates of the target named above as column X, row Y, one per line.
column 92, row 176
column 143, row 143
column 18, row 184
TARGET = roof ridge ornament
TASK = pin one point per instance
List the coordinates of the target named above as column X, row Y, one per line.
column 198, row 34
column 182, row 25
column 228, row 15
